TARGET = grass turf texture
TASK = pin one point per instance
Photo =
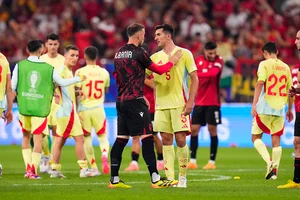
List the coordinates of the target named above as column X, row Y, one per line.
column 214, row 184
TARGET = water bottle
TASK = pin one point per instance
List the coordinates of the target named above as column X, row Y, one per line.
column 0, row 170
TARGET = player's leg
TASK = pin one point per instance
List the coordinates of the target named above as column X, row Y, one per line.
column 295, row 183
column 77, row 134
column 99, row 123
column 181, row 127
column 158, row 147
column 159, row 151
column 135, row 153
column 45, row 160
column 60, row 139
column 198, row 118
column 38, row 127
column 260, row 124
column 277, row 129
column 213, row 118
column 117, row 149
column 26, row 149
column 162, row 124
column 86, row 124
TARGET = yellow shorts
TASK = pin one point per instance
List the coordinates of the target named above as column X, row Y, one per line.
column 1, row 111
column 171, row 121
column 34, row 125
column 269, row 124
column 69, row 126
column 52, row 115
column 93, row 118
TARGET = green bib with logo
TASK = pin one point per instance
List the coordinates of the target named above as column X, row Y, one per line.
column 35, row 88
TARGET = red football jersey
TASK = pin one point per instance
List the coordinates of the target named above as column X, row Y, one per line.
column 149, row 94
column 209, row 74
column 295, row 70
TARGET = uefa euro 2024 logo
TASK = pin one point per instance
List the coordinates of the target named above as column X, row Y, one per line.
column 33, row 80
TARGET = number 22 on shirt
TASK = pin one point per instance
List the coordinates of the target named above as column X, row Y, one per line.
column 277, row 85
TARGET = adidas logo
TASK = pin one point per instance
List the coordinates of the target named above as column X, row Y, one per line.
column 160, row 62
column 142, row 114
column 184, row 126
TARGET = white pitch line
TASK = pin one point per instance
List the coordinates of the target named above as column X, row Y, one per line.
column 215, row 178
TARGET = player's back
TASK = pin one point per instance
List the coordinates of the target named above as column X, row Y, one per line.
column 130, row 63
column 93, row 87
column 56, row 62
column 4, row 70
column 277, row 81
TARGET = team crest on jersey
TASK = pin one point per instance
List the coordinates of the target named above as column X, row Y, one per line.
column 201, row 62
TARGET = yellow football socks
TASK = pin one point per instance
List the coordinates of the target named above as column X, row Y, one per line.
column 83, row 164
column 36, row 159
column 103, row 141
column 169, row 158
column 276, row 155
column 45, row 146
column 89, row 151
column 56, row 167
column 27, row 157
column 262, row 150
column 182, row 155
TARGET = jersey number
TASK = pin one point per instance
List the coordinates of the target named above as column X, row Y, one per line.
column 95, row 84
column 274, row 80
column 0, row 73
column 168, row 76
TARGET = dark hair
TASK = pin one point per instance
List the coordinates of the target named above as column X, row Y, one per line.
column 210, row 45
column 52, row 36
column 91, row 52
column 42, row 42
column 134, row 28
column 167, row 28
column 69, row 47
column 33, row 45
column 270, row 47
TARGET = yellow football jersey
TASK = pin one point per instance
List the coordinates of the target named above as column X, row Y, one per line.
column 56, row 62
column 171, row 88
column 93, row 87
column 277, row 77
column 4, row 71
column 67, row 94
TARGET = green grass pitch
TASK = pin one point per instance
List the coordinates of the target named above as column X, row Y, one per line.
column 215, row 184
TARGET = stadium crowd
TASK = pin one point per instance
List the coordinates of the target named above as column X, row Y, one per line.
column 240, row 27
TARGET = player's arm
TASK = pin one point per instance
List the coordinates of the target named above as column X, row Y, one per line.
column 192, row 94
column 10, row 99
column 65, row 82
column 161, row 69
column 258, row 88
column 261, row 74
column 289, row 113
column 14, row 80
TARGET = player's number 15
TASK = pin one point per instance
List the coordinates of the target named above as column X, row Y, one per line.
column 97, row 93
